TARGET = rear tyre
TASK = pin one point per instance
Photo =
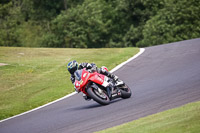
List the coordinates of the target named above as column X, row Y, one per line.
column 125, row 91
column 101, row 98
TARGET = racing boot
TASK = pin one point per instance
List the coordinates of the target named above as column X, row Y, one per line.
column 110, row 75
column 87, row 98
column 117, row 80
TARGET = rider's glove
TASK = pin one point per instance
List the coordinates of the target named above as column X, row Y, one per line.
column 93, row 69
column 89, row 70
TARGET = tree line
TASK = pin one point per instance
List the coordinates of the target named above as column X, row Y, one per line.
column 97, row 23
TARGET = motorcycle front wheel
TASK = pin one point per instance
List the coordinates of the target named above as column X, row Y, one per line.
column 125, row 91
column 100, row 97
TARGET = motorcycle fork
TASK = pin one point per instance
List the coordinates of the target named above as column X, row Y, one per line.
column 116, row 93
column 111, row 94
column 108, row 89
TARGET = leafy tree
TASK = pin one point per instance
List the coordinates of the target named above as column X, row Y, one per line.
column 138, row 13
column 39, row 10
column 100, row 23
column 10, row 19
column 178, row 20
column 87, row 25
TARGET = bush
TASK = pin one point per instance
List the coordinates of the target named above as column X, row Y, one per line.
column 9, row 22
column 178, row 20
column 91, row 25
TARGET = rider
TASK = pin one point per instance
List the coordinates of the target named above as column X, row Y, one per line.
column 73, row 66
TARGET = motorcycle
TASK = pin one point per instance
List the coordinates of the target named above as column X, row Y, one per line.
column 100, row 88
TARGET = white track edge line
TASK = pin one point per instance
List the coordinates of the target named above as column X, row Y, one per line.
column 122, row 64
column 73, row 93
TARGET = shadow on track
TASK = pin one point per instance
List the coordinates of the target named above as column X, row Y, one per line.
column 92, row 106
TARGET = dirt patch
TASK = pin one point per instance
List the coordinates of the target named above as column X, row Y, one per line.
column 3, row 64
column 21, row 53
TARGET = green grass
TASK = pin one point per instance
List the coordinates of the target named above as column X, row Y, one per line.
column 35, row 76
column 185, row 119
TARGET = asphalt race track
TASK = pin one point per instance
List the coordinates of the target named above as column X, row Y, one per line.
column 163, row 77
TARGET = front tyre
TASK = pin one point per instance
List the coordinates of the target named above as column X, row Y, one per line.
column 100, row 97
column 125, row 91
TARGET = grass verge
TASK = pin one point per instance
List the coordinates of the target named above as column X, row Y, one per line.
column 184, row 119
column 35, row 76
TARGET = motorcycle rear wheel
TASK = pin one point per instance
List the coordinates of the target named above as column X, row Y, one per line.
column 102, row 99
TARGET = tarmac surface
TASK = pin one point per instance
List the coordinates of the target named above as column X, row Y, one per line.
column 163, row 77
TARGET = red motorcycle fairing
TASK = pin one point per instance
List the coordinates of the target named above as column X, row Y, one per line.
column 90, row 84
column 87, row 77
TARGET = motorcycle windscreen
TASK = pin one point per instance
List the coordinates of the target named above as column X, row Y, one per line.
column 78, row 74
